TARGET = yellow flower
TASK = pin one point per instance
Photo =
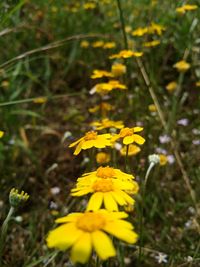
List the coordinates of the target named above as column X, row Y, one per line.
column 98, row 44
column 5, row 84
column 182, row 66
column 152, row 108
column 109, row 45
column 40, row 100
column 89, row 6
column 184, row 8
column 155, row 28
column 84, row 44
column 171, row 86
column 100, row 73
column 128, row 29
column 102, row 158
column 103, row 107
column 152, row 43
column 126, row 54
column 91, row 139
column 118, row 69
column 132, row 150
column 197, row 84
column 83, row 232
column 1, row 134
column 129, row 137
column 104, row 88
column 108, row 186
column 140, row 31
column 106, row 123
column 163, row 159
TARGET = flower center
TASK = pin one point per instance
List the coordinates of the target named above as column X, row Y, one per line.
column 126, row 132
column 91, row 222
column 102, row 185
column 90, row 136
column 105, row 172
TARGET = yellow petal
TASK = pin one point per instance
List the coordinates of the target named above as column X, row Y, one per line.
column 139, row 139
column 1, row 134
column 109, row 202
column 78, row 148
column 124, row 234
column 118, row 198
column 88, row 144
column 128, row 199
column 82, row 249
column 128, row 140
column 103, row 245
column 69, row 218
column 63, row 236
column 137, row 129
column 95, row 201
column 76, row 142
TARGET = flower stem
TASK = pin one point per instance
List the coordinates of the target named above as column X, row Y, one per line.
column 143, row 193
column 126, row 158
column 4, row 230
column 122, row 23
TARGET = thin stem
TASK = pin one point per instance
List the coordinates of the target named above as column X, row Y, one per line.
column 143, row 193
column 122, row 23
column 126, row 158
column 4, row 230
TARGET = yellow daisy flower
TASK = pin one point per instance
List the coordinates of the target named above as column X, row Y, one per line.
column 171, row 86
column 100, row 73
column 152, row 108
column 132, row 150
column 118, row 69
column 140, row 31
column 83, row 232
column 104, row 107
column 197, row 84
column 91, row 139
column 184, row 8
column 98, row 44
column 182, row 66
column 89, row 6
column 109, row 45
column 1, row 134
column 152, row 43
column 129, row 137
column 102, row 158
column 106, row 123
column 126, row 54
column 163, row 159
column 155, row 28
column 108, row 186
column 104, row 88
column 84, row 44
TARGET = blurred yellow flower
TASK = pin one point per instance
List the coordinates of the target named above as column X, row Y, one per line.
column 84, row 44
column 182, row 66
column 108, row 186
column 109, row 45
column 132, row 150
column 152, row 43
column 197, row 84
column 152, row 108
column 89, row 5
column 104, row 107
column 98, row 44
column 128, row 135
column 100, row 73
column 184, row 8
column 163, row 159
column 40, row 100
column 106, row 123
column 1, row 134
column 118, row 69
column 140, row 31
column 104, row 88
column 126, row 54
column 5, row 84
column 128, row 29
column 83, row 232
column 155, row 28
column 91, row 139
column 102, row 158
column 171, row 86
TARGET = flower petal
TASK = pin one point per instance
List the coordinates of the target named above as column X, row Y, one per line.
column 139, row 139
column 82, row 249
column 95, row 201
column 128, row 140
column 103, row 245
column 137, row 129
column 109, row 202
column 63, row 236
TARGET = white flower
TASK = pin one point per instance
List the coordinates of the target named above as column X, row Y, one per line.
column 161, row 258
column 155, row 159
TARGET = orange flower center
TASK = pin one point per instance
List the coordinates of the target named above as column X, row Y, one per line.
column 126, row 132
column 90, row 222
column 105, row 172
column 91, row 136
column 102, row 185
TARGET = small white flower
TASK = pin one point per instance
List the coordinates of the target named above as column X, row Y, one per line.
column 55, row 190
column 183, row 122
column 189, row 259
column 154, row 158
column 117, row 146
column 164, row 139
column 161, row 258
column 170, row 159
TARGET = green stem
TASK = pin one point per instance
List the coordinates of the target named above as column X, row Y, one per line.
column 4, row 230
column 122, row 23
column 143, row 193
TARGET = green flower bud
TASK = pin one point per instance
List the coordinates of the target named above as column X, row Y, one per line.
column 16, row 198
